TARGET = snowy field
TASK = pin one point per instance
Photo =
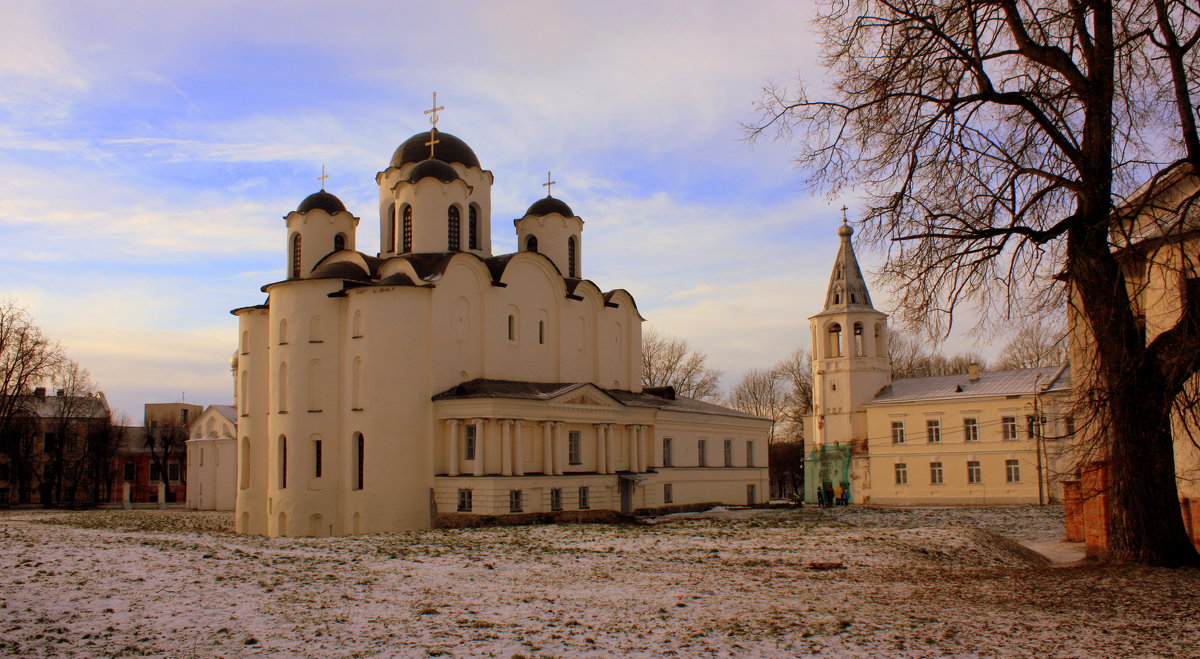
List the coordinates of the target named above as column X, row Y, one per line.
column 914, row 582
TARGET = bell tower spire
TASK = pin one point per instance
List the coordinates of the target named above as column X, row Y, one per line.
column 847, row 287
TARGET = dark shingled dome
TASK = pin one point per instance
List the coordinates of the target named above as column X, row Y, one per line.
column 448, row 149
column 438, row 169
column 550, row 205
column 323, row 200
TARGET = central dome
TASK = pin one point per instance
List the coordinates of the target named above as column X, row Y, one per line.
column 550, row 205
column 322, row 200
column 448, row 149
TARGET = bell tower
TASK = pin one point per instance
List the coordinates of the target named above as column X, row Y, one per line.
column 849, row 350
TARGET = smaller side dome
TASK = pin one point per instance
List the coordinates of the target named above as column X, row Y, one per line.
column 322, row 200
column 550, row 205
column 340, row 270
column 438, row 169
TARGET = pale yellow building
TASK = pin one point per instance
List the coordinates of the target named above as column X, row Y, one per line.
column 974, row 438
column 437, row 380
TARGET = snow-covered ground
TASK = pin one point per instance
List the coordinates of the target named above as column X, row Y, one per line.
column 914, row 582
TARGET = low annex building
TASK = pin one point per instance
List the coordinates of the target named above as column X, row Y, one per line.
column 973, row 438
column 436, row 379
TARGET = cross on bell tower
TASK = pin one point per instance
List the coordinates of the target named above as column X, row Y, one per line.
column 547, row 184
column 433, row 120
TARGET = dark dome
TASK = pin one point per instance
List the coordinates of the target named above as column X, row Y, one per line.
column 323, row 200
column 448, row 149
column 550, row 205
column 435, row 168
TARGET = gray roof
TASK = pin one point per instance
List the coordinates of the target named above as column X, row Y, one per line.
column 990, row 383
column 227, row 411
column 481, row 388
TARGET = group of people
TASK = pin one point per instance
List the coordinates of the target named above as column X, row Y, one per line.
column 829, row 495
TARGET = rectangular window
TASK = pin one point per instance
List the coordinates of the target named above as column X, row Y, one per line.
column 1069, row 424
column 541, row 332
column 935, row 473
column 583, row 498
column 702, row 452
column 974, row 473
column 514, row 501
column 729, row 453
column 155, row 472
column 1029, row 426
column 360, row 458
column 173, row 471
column 4, row 475
column 574, row 447
column 901, row 473
column 317, row 458
column 283, row 462
column 749, row 453
column 897, row 432
column 464, row 501
column 933, row 429
column 751, row 494
column 556, row 498
column 666, row 459
column 971, row 430
column 668, row 493
column 1012, row 471
column 469, row 443
column 1008, row 427
column 130, row 471
column 512, row 328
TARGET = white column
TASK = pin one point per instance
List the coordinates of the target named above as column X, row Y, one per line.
column 548, row 448
column 601, row 448
column 480, row 446
column 635, row 433
column 655, row 449
column 506, row 447
column 518, row 449
column 452, row 448
column 610, row 437
column 560, row 449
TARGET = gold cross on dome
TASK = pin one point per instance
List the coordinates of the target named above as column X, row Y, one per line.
column 322, row 177
column 843, row 213
column 432, row 140
column 548, row 183
column 433, row 119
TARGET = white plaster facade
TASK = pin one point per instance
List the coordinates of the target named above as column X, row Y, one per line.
column 212, row 459
column 376, row 393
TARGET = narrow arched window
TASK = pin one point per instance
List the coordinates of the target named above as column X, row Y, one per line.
column 473, row 227
column 572, row 258
column 835, row 340
column 244, row 399
column 282, row 462
column 356, row 385
column 314, row 385
column 359, row 460
column 391, row 237
column 245, row 463
column 339, row 242
column 859, row 349
column 453, row 228
column 283, row 338
column 296, row 256
column 531, row 244
column 407, row 229
column 283, row 387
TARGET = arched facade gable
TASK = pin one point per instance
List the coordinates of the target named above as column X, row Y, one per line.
column 622, row 298
column 345, row 256
column 466, row 264
column 398, row 265
column 538, row 263
column 590, row 294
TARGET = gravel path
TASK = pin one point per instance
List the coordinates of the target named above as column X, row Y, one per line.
column 913, row 582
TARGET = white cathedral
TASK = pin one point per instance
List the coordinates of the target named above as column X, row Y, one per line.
column 439, row 384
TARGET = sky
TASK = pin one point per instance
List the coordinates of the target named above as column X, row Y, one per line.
column 149, row 150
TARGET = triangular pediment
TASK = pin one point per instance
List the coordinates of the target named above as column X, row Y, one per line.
column 585, row 396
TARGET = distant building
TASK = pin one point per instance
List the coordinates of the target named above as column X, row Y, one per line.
column 974, row 438
column 212, row 459
column 437, row 382
column 55, row 452
column 155, row 454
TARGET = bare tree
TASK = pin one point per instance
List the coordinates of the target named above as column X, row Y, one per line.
column 77, row 412
column 27, row 358
column 758, row 392
column 786, row 468
column 1038, row 342
column 165, row 441
column 995, row 138
column 795, row 377
column 911, row 359
column 669, row 361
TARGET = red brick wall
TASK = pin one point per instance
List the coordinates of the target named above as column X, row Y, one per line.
column 1073, row 510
